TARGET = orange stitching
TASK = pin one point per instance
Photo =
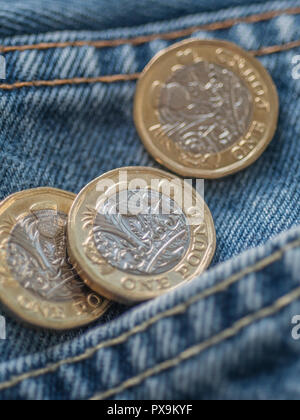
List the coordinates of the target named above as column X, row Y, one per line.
column 75, row 81
column 277, row 48
column 126, row 77
column 164, row 36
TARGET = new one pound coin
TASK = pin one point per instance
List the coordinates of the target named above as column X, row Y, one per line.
column 206, row 109
column 38, row 284
column 137, row 233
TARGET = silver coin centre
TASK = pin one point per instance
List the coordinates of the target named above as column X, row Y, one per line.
column 37, row 257
column 205, row 108
column 149, row 241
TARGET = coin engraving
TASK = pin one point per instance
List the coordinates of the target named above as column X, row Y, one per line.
column 141, row 236
column 143, row 243
column 37, row 256
column 205, row 99
column 200, row 244
column 38, row 283
column 205, row 108
column 48, row 310
column 151, row 285
column 245, row 146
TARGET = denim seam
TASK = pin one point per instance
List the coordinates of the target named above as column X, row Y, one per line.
column 126, row 77
column 219, row 25
column 177, row 310
column 195, row 350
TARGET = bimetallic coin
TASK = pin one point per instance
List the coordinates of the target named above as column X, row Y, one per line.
column 134, row 239
column 206, row 109
column 38, row 284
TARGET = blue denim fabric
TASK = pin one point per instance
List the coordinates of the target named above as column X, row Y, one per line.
column 41, row 16
column 225, row 335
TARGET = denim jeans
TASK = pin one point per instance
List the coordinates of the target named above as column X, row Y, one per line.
column 226, row 335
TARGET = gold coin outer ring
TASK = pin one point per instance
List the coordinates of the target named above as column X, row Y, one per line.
column 19, row 302
column 117, row 285
column 228, row 55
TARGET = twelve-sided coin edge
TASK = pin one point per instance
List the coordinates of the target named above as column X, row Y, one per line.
column 142, row 95
column 109, row 284
column 18, row 301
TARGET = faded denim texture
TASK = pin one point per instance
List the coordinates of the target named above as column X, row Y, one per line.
column 226, row 335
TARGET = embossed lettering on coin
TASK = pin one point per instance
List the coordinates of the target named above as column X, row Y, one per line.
column 144, row 243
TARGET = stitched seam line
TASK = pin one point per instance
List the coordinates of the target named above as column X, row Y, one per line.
column 226, row 24
column 194, row 351
column 75, row 81
column 127, row 77
column 177, row 310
